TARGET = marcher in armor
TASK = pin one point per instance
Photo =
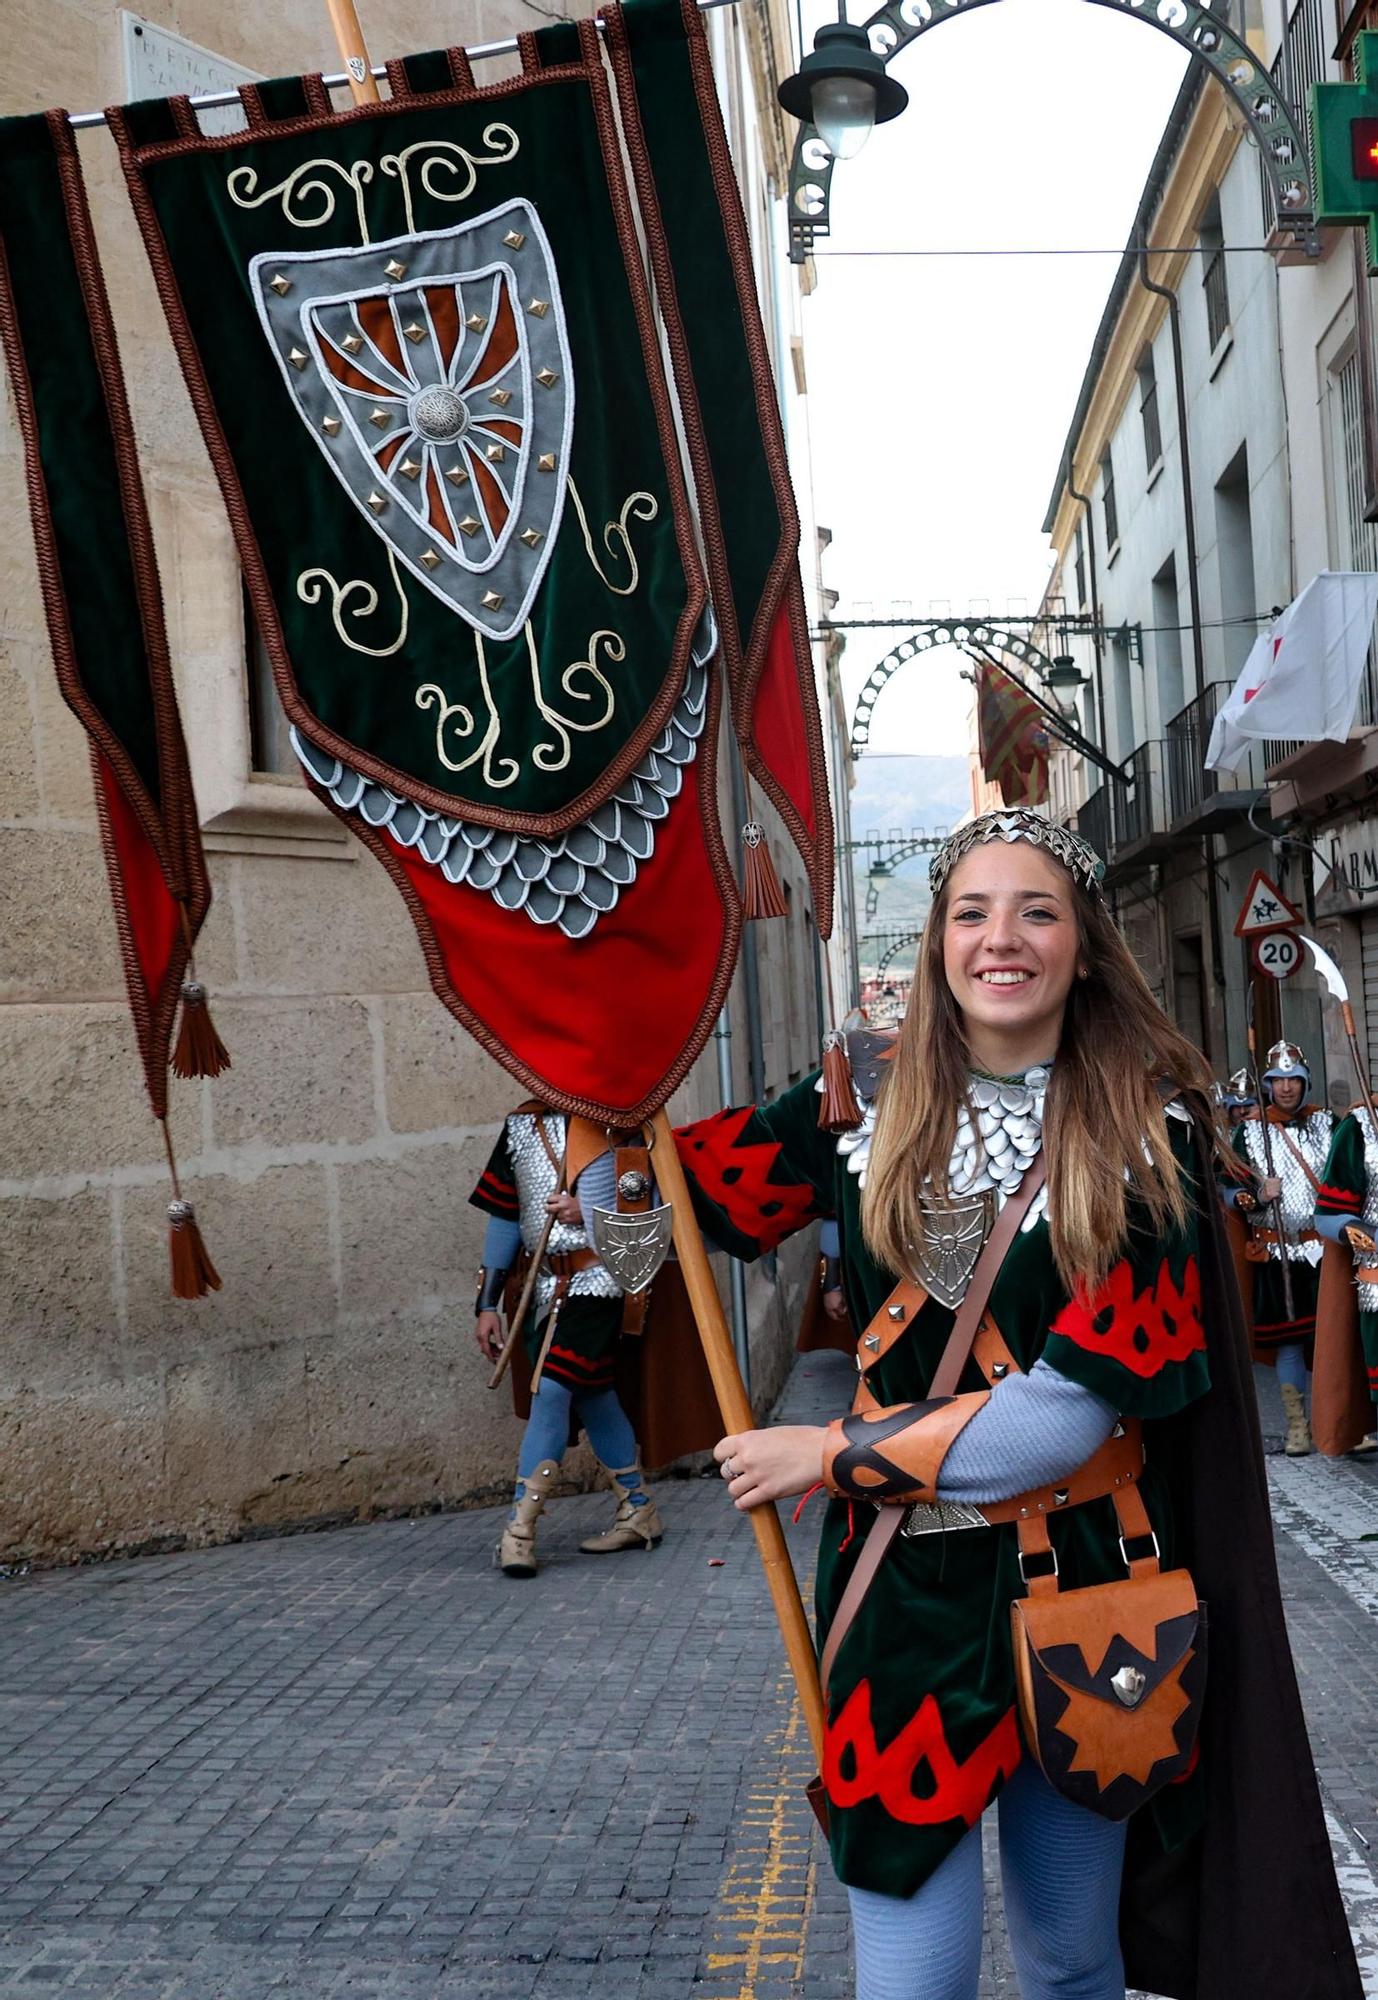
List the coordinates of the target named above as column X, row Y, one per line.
column 1103, row 1409
column 1347, row 1214
column 1238, row 1098
column 571, row 1334
column 1287, row 1166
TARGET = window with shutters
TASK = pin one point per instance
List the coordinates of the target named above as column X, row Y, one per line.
column 1112, row 512
column 1148, row 410
column 1358, row 538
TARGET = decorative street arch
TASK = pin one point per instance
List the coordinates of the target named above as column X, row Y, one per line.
column 940, row 632
column 1269, row 117
column 901, row 941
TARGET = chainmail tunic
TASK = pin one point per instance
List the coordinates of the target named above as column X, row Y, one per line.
column 536, row 1178
column 1311, row 1136
column 1368, row 1294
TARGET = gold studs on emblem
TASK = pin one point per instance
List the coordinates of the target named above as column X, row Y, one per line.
column 547, row 378
column 331, row 426
column 297, row 358
column 538, row 308
column 532, row 537
column 414, row 331
column 456, row 475
column 546, row 462
column 492, row 600
column 379, row 418
column 375, row 503
column 410, row 468
column 282, row 286
column 352, row 342
column 394, row 269
column 430, row 559
column 502, row 397
column 515, row 238
column 496, row 452
column 476, row 322
column 468, row 526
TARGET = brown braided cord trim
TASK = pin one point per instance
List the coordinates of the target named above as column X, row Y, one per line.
column 541, row 1088
column 186, row 871
column 589, row 71
column 782, row 581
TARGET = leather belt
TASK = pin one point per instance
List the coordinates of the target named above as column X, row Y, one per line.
column 1119, row 1463
column 564, row 1263
column 1366, row 1274
column 1297, row 1236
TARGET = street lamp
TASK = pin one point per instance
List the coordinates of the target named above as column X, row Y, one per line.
column 842, row 89
column 1065, row 680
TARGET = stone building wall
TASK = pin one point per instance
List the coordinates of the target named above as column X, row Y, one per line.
column 335, row 1372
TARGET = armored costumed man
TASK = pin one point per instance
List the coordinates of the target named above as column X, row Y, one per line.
column 1347, row 1214
column 1287, row 1166
column 1237, row 1098
column 546, row 1177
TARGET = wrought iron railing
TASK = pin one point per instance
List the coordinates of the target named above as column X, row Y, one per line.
column 1137, row 809
column 1093, row 820
column 1217, row 287
column 1300, row 62
column 1185, row 738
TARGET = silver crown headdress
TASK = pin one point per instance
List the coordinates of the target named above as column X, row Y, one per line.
column 1077, row 856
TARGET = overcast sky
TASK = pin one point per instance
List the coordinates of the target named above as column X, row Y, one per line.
column 941, row 388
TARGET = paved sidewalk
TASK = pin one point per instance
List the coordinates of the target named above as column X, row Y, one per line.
column 363, row 1764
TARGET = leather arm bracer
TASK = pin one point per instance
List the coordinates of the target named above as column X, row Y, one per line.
column 896, row 1454
column 832, row 1274
column 491, row 1283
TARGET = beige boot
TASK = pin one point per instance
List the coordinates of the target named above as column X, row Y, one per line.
column 516, row 1552
column 633, row 1527
column 1298, row 1440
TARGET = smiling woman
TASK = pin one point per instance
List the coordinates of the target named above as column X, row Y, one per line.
column 1052, row 1389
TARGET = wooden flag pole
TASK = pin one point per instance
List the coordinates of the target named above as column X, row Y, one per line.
column 349, row 39
column 730, row 1391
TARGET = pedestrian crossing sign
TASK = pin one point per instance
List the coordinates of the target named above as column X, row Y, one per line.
column 1265, row 909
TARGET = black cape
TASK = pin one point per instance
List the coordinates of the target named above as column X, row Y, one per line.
column 1250, row 1904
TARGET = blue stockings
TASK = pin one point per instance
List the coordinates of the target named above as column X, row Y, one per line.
column 603, row 1419
column 1291, row 1366
column 1060, row 1866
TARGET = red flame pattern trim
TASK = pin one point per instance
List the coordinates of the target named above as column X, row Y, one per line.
column 735, row 1172
column 1142, row 1330
column 856, row 1769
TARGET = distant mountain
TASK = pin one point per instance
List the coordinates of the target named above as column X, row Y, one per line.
column 898, row 793
column 901, row 795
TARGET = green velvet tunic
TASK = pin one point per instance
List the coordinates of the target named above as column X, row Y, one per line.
column 922, row 1725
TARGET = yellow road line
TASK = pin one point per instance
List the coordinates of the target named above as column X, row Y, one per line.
column 767, row 1893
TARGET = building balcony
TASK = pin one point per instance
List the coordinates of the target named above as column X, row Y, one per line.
column 1199, row 801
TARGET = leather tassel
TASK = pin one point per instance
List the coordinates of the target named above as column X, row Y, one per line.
column 199, row 1050
column 838, row 1110
column 762, row 895
column 193, row 1274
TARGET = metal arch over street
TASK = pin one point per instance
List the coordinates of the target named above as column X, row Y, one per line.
column 893, row 942
column 933, row 632
column 1269, row 117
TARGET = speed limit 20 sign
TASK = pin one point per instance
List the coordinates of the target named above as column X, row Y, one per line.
column 1278, row 954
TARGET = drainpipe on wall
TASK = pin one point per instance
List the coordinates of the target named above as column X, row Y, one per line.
column 1084, row 501
column 1198, row 648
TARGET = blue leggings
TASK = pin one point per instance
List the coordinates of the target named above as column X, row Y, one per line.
column 1060, row 1866
column 603, row 1418
column 1291, row 1366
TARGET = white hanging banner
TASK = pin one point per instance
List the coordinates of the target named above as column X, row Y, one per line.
column 1302, row 677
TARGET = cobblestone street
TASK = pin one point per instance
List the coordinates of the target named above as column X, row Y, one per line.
column 361, row 1763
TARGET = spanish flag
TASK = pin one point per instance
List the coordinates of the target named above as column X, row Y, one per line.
column 1011, row 737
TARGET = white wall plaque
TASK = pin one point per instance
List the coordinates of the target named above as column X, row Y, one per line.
column 159, row 63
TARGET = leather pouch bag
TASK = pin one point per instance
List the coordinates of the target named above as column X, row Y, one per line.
column 1110, row 1681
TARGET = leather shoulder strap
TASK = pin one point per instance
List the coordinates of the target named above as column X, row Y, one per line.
column 954, row 1357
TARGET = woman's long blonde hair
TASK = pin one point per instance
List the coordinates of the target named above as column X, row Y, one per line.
column 1104, row 1106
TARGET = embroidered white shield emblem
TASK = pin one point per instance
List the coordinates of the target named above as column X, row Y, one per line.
column 433, row 372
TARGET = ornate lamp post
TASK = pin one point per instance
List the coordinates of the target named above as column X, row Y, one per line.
column 842, row 89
